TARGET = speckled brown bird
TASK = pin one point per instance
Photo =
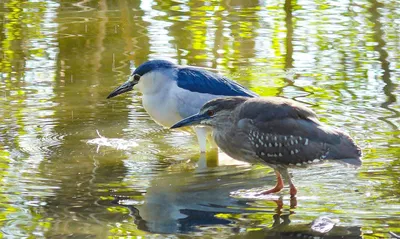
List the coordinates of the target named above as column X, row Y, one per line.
column 278, row 132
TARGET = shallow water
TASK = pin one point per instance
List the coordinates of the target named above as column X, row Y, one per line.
column 75, row 165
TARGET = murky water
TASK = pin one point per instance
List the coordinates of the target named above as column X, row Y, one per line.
column 75, row 165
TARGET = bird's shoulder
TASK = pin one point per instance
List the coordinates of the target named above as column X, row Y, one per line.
column 266, row 109
column 280, row 116
column 203, row 81
column 282, row 131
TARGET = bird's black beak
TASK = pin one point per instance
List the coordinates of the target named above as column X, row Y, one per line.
column 127, row 86
column 192, row 120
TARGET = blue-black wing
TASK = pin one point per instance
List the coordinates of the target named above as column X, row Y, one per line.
column 202, row 81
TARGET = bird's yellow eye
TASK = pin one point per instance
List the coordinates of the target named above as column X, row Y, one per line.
column 210, row 112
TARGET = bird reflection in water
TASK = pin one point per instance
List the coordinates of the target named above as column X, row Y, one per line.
column 182, row 200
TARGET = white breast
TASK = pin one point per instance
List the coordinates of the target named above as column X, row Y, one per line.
column 161, row 108
column 157, row 89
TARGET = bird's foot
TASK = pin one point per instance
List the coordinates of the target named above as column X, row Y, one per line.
column 269, row 191
column 278, row 187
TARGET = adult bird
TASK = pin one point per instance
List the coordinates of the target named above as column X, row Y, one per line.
column 172, row 92
column 278, row 132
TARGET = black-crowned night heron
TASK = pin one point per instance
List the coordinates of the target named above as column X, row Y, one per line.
column 278, row 132
column 172, row 92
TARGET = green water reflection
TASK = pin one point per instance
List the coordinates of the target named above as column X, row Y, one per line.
column 60, row 59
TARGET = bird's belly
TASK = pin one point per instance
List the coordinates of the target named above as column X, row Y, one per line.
column 238, row 150
column 161, row 109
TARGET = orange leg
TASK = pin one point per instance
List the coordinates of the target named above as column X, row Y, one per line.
column 286, row 176
column 293, row 190
column 278, row 187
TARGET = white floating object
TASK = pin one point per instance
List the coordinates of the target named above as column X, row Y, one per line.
column 112, row 142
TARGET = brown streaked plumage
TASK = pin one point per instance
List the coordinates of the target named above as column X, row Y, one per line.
column 278, row 132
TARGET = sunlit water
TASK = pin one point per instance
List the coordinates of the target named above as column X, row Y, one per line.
column 75, row 165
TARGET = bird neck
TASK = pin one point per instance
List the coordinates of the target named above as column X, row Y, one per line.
column 224, row 122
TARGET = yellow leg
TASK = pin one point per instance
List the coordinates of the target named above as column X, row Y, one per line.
column 201, row 133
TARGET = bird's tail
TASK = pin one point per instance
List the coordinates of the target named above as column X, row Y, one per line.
column 352, row 161
column 346, row 151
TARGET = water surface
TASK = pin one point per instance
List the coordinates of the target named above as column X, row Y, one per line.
column 75, row 165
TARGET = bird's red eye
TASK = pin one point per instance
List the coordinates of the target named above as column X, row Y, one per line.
column 136, row 77
column 210, row 112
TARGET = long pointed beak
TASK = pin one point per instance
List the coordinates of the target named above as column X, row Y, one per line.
column 127, row 86
column 192, row 120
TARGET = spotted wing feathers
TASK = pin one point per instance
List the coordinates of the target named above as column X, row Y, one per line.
column 292, row 135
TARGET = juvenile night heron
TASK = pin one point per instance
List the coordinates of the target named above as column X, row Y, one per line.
column 278, row 132
column 172, row 92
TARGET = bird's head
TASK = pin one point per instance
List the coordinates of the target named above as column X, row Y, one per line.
column 214, row 113
column 140, row 73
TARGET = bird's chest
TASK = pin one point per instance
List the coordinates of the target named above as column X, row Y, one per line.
column 236, row 145
column 161, row 108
